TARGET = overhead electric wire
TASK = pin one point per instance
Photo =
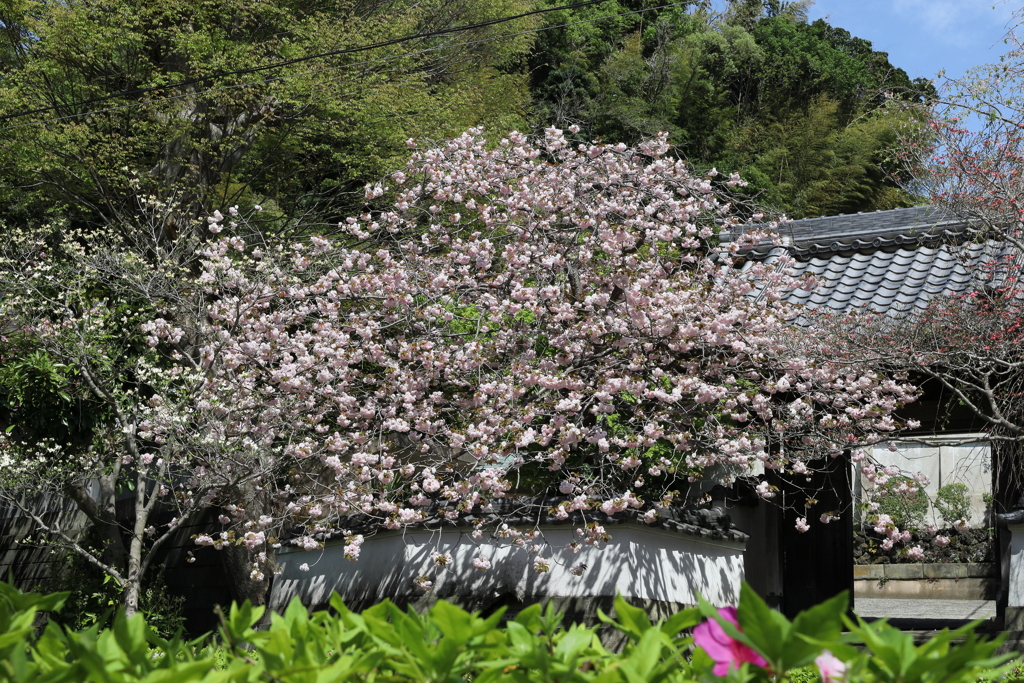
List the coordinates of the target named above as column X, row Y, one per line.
column 364, row 48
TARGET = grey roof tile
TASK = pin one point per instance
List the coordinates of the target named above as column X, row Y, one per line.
column 890, row 262
column 864, row 231
column 892, row 282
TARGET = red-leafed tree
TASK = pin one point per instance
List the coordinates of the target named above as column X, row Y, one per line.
column 969, row 344
column 969, row 161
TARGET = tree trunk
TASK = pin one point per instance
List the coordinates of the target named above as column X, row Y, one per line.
column 238, row 563
column 131, row 596
column 103, row 516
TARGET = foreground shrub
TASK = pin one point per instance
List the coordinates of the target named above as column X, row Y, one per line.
column 384, row 643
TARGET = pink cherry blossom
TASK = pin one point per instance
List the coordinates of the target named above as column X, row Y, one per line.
column 832, row 669
column 576, row 310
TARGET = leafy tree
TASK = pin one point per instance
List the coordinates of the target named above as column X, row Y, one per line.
column 953, row 503
column 105, row 103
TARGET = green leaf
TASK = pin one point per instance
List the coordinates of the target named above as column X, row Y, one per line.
column 530, row 617
column 814, row 630
column 632, row 620
column 764, row 628
column 681, row 620
column 456, row 624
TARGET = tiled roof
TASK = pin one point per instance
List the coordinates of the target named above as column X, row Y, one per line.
column 866, row 231
column 893, row 282
column 711, row 524
column 890, row 262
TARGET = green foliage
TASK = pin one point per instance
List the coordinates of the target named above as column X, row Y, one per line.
column 295, row 138
column 907, row 510
column 807, row 674
column 892, row 657
column 93, row 597
column 953, row 503
column 806, row 112
column 785, row 645
column 385, row 643
column 39, row 396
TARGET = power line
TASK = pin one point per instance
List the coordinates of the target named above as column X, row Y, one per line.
column 271, row 79
column 296, row 60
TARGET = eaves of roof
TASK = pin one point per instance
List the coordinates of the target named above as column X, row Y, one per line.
column 889, row 262
column 863, row 231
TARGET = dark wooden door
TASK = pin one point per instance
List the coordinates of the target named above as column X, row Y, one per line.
column 816, row 564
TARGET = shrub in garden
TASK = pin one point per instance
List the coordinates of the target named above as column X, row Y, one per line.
column 750, row 642
column 904, row 500
column 953, row 504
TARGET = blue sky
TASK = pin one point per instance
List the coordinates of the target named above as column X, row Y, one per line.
column 924, row 36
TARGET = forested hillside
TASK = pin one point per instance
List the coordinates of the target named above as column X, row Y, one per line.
column 296, row 104
column 799, row 109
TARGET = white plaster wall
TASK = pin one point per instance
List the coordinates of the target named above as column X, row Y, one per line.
column 945, row 461
column 644, row 563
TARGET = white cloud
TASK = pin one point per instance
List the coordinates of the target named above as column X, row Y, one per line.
column 957, row 22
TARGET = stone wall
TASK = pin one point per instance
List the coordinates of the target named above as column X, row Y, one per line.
column 971, row 546
column 952, row 581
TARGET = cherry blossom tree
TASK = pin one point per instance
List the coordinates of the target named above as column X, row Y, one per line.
column 510, row 322
column 541, row 317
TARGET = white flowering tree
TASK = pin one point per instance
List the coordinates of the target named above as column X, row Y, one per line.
column 523, row 318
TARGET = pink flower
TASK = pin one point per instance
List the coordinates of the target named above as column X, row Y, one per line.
column 802, row 525
column 726, row 651
column 831, row 667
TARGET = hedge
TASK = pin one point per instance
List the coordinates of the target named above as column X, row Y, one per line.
column 385, row 643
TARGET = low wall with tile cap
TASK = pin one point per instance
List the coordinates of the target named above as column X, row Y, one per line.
column 926, row 581
column 639, row 562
